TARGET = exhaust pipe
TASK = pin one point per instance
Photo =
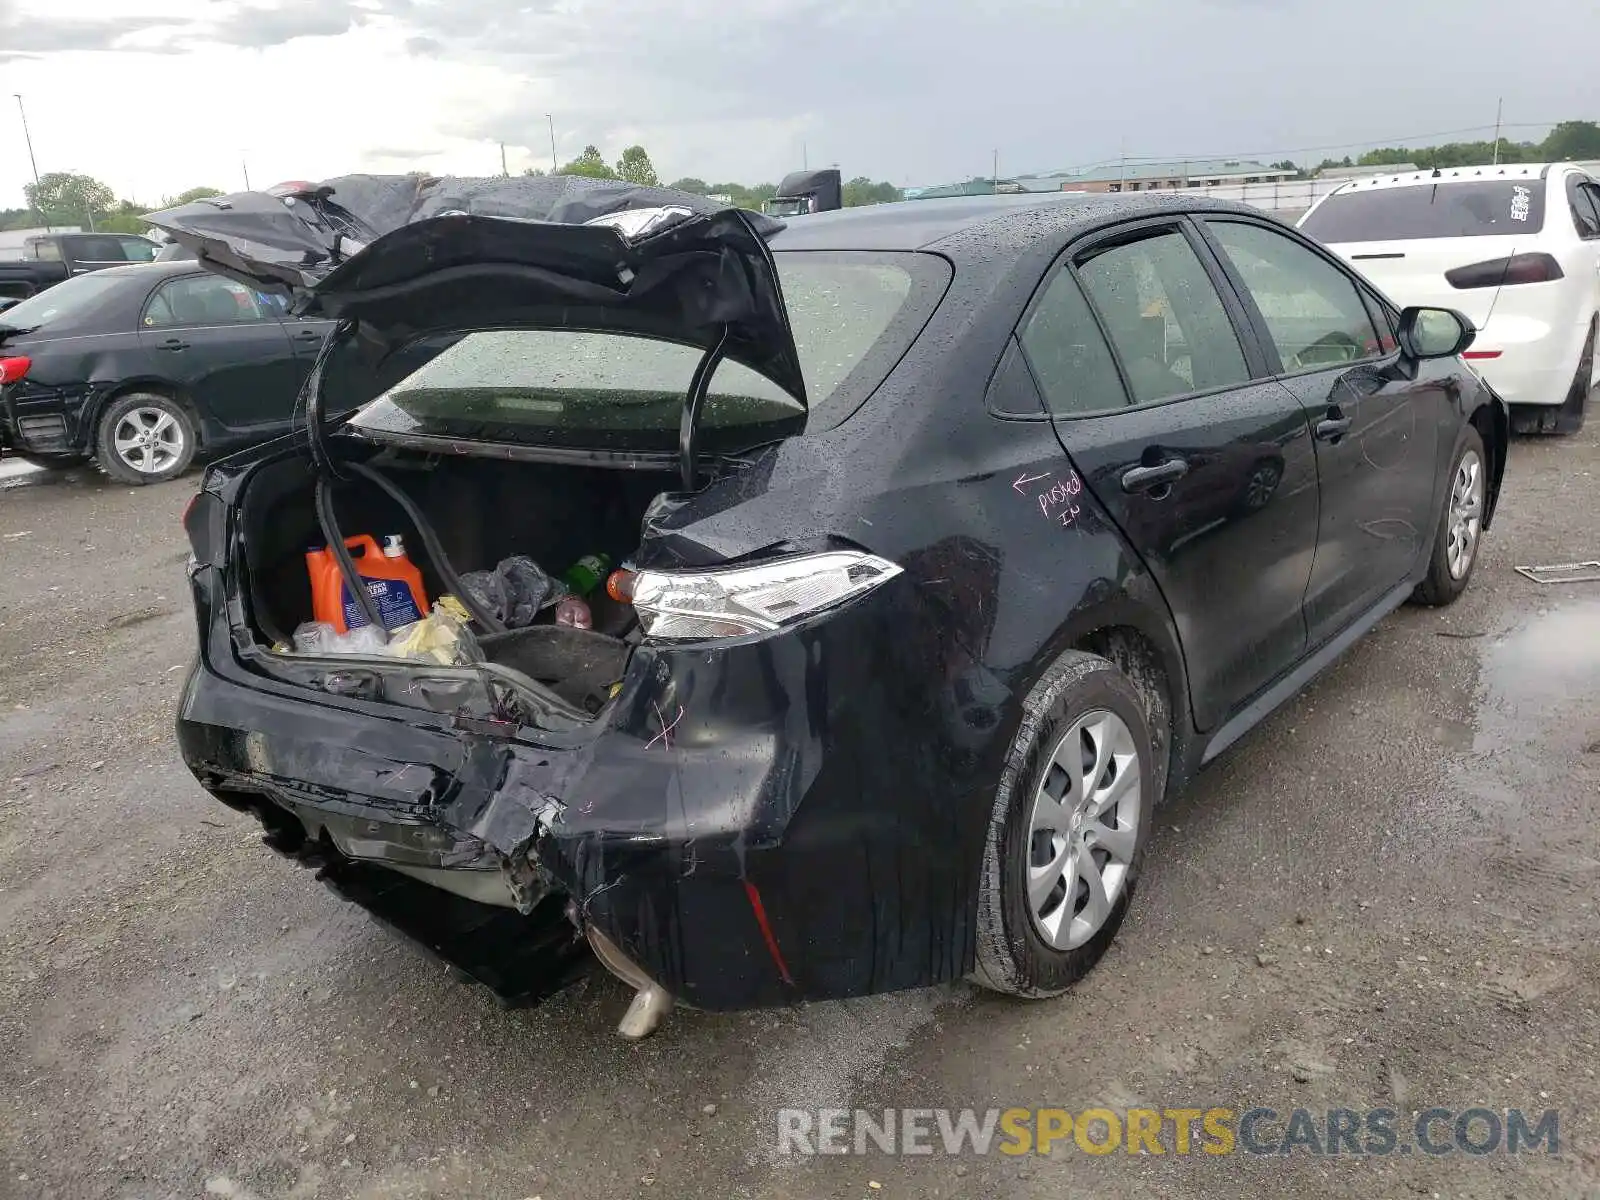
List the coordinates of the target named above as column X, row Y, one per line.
column 651, row 1001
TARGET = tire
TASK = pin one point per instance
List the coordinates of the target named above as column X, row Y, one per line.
column 1460, row 525
column 53, row 462
column 1039, row 949
column 145, row 437
column 1569, row 417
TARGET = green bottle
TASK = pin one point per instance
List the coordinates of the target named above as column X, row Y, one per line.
column 585, row 575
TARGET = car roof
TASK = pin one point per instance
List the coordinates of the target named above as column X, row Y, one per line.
column 153, row 270
column 975, row 225
column 1446, row 175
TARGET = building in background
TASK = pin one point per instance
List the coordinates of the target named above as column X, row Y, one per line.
column 1155, row 176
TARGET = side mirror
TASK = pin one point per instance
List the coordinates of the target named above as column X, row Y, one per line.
column 1434, row 332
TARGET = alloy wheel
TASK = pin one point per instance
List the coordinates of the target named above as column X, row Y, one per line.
column 1083, row 830
column 149, row 440
column 1466, row 514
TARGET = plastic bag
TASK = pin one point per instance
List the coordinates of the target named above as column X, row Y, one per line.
column 319, row 638
column 514, row 591
column 441, row 637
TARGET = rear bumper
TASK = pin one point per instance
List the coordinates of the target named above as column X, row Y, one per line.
column 797, row 833
column 43, row 422
column 1535, row 360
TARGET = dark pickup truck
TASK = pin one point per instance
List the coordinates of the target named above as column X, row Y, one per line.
column 52, row 257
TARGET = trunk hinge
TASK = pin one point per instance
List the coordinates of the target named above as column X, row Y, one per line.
column 689, row 422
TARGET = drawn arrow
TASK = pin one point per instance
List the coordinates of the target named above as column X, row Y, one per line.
column 1022, row 479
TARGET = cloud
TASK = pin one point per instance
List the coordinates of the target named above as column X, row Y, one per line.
column 32, row 34
column 401, row 153
column 424, row 47
column 254, row 26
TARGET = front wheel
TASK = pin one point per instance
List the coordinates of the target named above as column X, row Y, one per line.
column 1456, row 541
column 145, row 438
column 1068, row 830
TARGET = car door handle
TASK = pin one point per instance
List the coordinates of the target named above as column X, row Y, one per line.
column 1333, row 426
column 174, row 344
column 1148, row 479
column 310, row 335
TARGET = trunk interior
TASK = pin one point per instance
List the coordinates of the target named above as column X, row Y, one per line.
column 481, row 511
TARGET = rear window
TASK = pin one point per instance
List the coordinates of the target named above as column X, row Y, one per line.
column 853, row 314
column 1491, row 208
column 68, row 302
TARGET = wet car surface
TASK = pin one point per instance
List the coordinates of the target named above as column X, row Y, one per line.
column 1383, row 895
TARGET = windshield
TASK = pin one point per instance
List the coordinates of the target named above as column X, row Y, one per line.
column 70, row 300
column 1501, row 207
column 853, row 316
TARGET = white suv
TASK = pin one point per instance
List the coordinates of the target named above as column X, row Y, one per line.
column 1516, row 248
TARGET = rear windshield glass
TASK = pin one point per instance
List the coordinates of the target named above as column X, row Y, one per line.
column 67, row 302
column 1492, row 208
column 853, row 314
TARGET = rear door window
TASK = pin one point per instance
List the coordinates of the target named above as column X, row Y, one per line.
column 204, row 300
column 1585, row 209
column 1314, row 312
column 1166, row 322
column 1069, row 356
column 1447, row 209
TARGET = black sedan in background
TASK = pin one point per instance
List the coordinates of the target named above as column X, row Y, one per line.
column 139, row 368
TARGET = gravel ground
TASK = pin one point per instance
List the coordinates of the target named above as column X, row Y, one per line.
column 1385, row 896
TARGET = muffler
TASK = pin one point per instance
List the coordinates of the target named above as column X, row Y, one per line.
column 651, row 1001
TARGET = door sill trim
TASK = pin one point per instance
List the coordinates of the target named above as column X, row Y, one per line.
column 1269, row 701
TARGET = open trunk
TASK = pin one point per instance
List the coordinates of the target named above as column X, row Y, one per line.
column 481, row 511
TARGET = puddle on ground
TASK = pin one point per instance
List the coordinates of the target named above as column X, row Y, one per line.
column 1540, row 683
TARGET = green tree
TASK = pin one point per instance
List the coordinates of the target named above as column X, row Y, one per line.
column 589, row 164
column 1578, row 140
column 196, row 193
column 862, row 190
column 534, row 172
column 66, row 198
column 635, row 166
column 1386, row 156
column 690, row 184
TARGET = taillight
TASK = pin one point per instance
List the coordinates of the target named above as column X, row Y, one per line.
column 1497, row 272
column 13, row 369
column 738, row 601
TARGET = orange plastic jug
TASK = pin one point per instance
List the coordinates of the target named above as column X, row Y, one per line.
column 394, row 583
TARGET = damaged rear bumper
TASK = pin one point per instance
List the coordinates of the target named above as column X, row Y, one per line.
column 739, row 841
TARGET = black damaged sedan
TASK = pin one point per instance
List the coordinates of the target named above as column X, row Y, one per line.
column 956, row 535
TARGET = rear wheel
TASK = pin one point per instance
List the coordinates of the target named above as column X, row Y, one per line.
column 1569, row 417
column 1068, row 830
column 145, row 438
column 1455, row 542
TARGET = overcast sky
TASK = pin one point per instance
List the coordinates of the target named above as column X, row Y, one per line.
column 154, row 96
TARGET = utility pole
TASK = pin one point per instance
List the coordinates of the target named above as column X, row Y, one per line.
column 503, row 169
column 1499, row 109
column 28, row 137
column 245, row 167
column 805, row 157
column 997, row 172
column 552, row 122
column 1122, row 168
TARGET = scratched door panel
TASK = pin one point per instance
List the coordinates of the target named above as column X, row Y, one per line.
column 1230, row 541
